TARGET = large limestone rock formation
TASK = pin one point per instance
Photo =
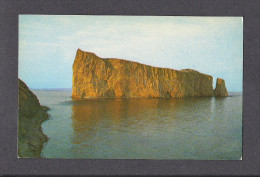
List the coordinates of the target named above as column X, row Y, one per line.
column 97, row 77
column 30, row 116
column 220, row 89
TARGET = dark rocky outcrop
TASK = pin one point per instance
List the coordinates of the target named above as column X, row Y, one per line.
column 97, row 77
column 220, row 90
column 30, row 116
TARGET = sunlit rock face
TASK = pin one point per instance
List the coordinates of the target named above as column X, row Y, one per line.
column 220, row 89
column 97, row 77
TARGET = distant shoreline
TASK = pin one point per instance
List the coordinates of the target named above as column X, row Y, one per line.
column 54, row 89
column 230, row 94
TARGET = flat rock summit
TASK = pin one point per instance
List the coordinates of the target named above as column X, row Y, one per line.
column 97, row 77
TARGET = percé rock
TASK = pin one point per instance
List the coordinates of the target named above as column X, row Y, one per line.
column 97, row 77
column 220, row 89
column 30, row 116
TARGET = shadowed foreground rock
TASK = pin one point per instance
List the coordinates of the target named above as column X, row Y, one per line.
column 220, row 89
column 30, row 116
column 97, row 77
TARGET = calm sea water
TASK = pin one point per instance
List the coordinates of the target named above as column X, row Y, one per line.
column 190, row 128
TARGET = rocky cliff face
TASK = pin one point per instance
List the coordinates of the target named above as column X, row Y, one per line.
column 97, row 77
column 220, row 89
column 30, row 116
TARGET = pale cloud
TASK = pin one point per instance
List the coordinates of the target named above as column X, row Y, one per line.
column 35, row 26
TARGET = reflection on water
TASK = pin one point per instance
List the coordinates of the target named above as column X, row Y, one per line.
column 123, row 115
column 190, row 128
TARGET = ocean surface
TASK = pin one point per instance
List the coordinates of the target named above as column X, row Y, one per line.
column 205, row 128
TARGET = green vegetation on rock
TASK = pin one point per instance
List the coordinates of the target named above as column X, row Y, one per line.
column 30, row 116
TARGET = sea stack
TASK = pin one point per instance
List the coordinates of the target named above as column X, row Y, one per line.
column 97, row 77
column 30, row 116
column 220, row 90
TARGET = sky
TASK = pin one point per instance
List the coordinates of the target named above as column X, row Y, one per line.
column 210, row 45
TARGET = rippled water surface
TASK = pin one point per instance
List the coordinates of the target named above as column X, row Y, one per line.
column 190, row 128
